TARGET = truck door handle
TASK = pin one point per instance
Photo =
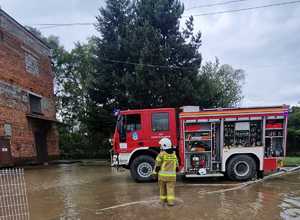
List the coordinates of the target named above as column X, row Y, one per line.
column 141, row 143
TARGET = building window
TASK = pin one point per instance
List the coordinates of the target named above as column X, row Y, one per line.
column 35, row 104
column 133, row 122
column 31, row 64
column 160, row 121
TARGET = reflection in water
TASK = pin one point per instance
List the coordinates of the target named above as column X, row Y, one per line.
column 81, row 192
column 70, row 208
column 290, row 206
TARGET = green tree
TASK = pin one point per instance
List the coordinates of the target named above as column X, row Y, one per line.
column 74, row 68
column 79, row 137
column 143, row 58
column 293, row 139
column 220, row 85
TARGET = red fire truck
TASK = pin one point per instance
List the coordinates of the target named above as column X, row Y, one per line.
column 240, row 143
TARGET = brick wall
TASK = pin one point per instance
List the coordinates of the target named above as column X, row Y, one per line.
column 16, row 84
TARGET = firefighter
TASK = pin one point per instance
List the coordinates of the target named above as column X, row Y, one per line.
column 165, row 166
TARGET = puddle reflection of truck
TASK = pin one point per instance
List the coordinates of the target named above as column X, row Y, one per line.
column 241, row 143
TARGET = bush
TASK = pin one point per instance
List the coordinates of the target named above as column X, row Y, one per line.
column 293, row 138
column 77, row 145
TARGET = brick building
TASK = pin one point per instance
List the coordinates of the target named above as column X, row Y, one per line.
column 27, row 109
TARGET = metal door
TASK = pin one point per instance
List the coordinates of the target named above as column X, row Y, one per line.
column 5, row 153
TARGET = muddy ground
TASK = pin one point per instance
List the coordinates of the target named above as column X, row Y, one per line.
column 100, row 192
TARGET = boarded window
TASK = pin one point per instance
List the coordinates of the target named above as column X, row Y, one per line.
column 35, row 104
column 160, row 121
column 31, row 64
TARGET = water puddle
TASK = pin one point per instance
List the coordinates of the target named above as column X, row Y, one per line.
column 99, row 192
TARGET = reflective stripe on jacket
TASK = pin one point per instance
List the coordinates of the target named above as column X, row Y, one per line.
column 167, row 163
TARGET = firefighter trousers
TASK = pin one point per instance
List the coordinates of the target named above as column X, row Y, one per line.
column 167, row 191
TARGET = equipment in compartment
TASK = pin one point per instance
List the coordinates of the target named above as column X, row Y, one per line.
column 274, row 133
column 199, row 161
column 274, row 138
column 199, row 136
column 228, row 134
column 214, row 150
column 277, row 146
column 255, row 133
column 198, row 147
column 274, row 124
column 241, row 138
column 242, row 134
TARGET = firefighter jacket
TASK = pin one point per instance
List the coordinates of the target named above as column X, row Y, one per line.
column 167, row 164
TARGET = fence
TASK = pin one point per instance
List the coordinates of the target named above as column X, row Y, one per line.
column 13, row 196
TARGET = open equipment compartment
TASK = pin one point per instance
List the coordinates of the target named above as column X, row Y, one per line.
column 204, row 142
column 201, row 146
column 247, row 133
column 274, row 137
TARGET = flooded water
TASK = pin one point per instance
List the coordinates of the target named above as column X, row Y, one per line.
column 100, row 192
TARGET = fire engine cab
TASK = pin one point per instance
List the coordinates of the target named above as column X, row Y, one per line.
column 240, row 143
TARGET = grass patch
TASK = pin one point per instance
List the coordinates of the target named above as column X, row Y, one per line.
column 291, row 161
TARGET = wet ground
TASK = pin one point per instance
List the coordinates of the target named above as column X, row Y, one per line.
column 101, row 192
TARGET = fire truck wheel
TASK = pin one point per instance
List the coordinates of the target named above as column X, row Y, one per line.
column 241, row 168
column 141, row 168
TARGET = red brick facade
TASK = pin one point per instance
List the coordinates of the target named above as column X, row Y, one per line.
column 25, row 76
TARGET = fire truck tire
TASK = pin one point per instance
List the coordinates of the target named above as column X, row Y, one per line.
column 141, row 168
column 241, row 168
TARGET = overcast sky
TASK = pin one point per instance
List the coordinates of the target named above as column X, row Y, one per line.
column 264, row 42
